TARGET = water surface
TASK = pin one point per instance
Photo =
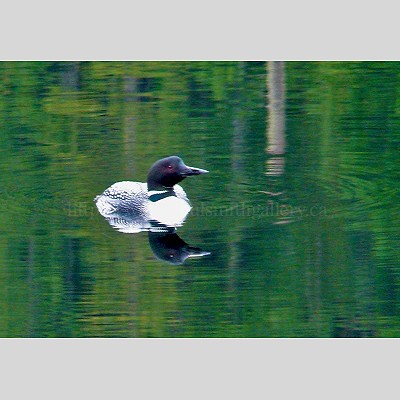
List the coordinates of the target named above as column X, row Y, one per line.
column 302, row 244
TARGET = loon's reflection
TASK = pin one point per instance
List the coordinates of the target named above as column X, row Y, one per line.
column 171, row 248
column 165, row 243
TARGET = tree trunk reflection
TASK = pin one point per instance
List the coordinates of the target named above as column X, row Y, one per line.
column 276, row 117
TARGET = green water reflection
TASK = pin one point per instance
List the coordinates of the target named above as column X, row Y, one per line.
column 310, row 252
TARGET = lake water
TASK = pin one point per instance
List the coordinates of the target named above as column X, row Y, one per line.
column 303, row 233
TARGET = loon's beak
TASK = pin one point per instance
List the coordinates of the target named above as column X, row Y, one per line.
column 189, row 171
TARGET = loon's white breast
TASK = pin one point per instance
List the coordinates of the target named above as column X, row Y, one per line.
column 170, row 210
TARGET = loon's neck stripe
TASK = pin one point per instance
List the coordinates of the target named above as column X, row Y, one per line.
column 158, row 196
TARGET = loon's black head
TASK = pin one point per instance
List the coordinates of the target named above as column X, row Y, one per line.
column 167, row 172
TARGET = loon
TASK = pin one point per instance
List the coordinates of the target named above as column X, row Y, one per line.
column 160, row 199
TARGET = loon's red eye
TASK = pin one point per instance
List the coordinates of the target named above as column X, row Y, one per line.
column 169, row 166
